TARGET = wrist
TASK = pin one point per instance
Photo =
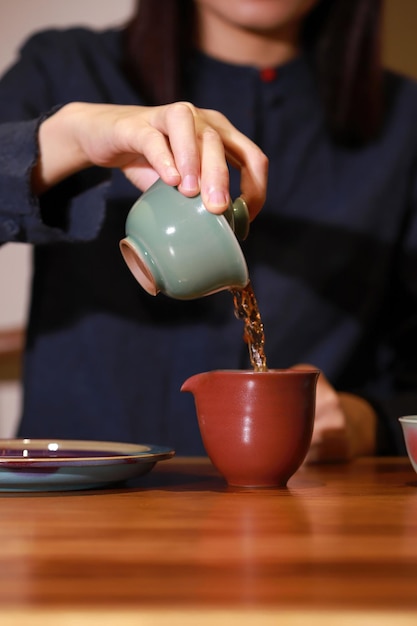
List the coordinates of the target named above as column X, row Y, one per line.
column 59, row 154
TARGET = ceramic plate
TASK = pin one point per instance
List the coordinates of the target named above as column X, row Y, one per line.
column 54, row 465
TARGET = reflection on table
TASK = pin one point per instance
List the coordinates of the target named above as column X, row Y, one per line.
column 338, row 544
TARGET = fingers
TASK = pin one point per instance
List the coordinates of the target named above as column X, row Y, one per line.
column 198, row 151
column 178, row 122
column 330, row 441
column 202, row 142
column 187, row 147
column 240, row 152
column 332, row 447
column 214, row 172
column 253, row 165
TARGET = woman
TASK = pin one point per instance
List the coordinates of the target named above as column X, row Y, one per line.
column 331, row 255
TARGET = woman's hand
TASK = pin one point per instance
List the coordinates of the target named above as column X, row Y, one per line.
column 185, row 146
column 344, row 426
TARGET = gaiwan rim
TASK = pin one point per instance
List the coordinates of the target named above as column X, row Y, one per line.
column 408, row 419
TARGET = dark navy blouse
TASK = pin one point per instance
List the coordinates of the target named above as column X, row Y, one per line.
column 332, row 256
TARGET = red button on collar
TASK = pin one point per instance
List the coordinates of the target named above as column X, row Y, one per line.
column 268, row 74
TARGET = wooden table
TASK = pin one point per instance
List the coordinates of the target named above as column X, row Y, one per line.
column 338, row 546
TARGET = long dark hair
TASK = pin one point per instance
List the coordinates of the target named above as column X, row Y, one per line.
column 341, row 37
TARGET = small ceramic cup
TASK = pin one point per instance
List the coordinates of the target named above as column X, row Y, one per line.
column 173, row 245
column 256, row 427
column 409, row 428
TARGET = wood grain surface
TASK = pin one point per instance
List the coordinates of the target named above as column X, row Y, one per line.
column 339, row 542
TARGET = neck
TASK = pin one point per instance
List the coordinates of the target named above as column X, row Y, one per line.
column 226, row 42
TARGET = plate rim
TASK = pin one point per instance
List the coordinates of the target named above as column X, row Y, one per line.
column 129, row 452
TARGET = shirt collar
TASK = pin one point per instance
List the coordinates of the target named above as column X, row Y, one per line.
column 291, row 78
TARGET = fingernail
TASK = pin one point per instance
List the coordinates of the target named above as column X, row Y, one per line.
column 217, row 198
column 189, row 183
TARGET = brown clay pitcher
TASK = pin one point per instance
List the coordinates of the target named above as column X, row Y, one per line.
column 256, row 427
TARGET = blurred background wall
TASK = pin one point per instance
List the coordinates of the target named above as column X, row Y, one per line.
column 400, row 36
column 18, row 19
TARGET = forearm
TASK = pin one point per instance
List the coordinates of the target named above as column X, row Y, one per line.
column 77, row 204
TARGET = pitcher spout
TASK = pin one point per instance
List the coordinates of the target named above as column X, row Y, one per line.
column 193, row 384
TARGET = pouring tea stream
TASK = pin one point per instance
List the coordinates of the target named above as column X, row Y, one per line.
column 257, row 424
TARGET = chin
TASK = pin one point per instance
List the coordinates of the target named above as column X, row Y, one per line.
column 268, row 15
